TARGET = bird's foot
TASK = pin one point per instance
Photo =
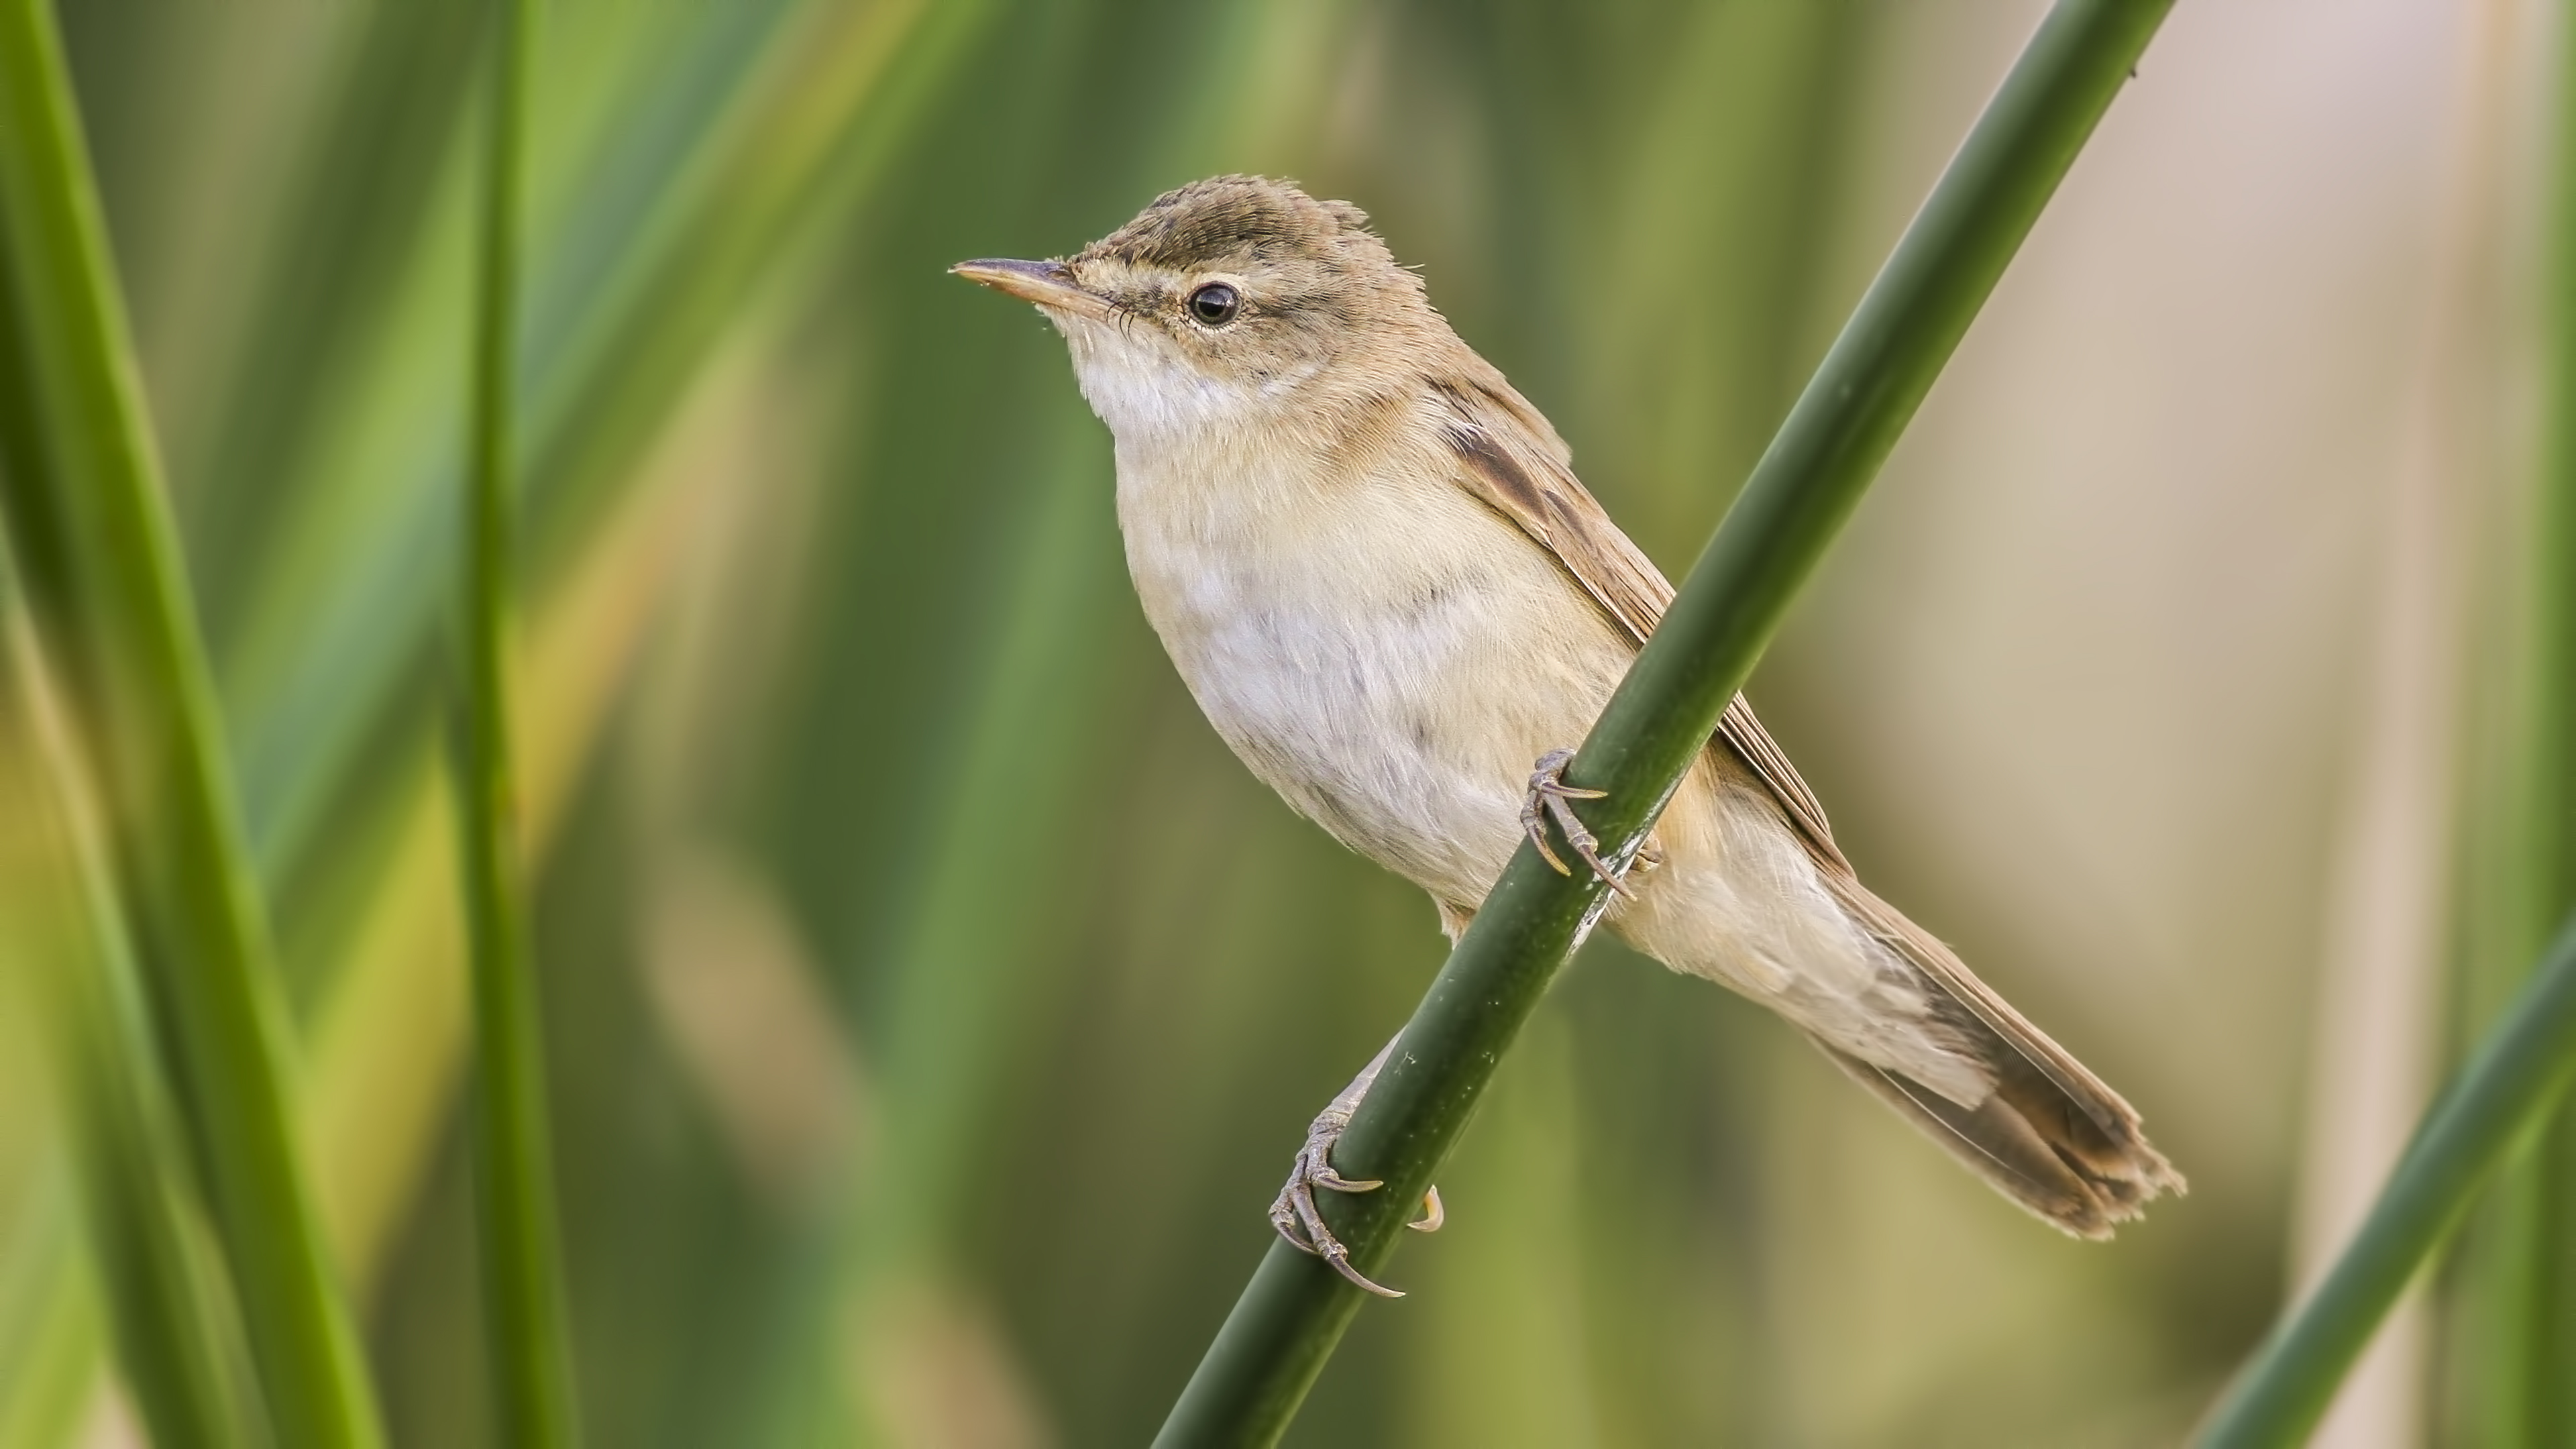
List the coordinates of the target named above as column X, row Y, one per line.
column 1547, row 800
column 1294, row 1214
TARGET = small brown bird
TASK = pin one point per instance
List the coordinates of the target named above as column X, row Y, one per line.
column 1372, row 564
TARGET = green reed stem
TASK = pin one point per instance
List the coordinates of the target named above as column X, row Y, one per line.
column 135, row 1192
column 1289, row 1318
column 2509, row 1083
column 103, row 577
column 513, row 1165
column 2534, row 1272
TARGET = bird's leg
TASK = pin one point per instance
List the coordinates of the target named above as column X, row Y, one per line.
column 1548, row 794
column 1294, row 1213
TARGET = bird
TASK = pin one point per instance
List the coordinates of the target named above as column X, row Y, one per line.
column 1371, row 562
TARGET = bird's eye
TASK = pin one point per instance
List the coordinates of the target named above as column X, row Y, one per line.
column 1215, row 304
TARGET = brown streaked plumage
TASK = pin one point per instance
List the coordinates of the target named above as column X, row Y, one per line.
column 1372, row 563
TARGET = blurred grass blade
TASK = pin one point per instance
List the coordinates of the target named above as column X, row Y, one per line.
column 50, row 1358
column 1825, row 455
column 2533, row 1273
column 2516, row 1075
column 357, row 212
column 309, row 687
column 820, row 123
column 385, row 1041
column 620, row 324
column 513, row 1158
column 961, row 993
column 85, row 508
column 118, row 1115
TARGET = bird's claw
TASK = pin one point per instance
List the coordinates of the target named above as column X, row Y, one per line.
column 1548, row 794
column 1297, row 1220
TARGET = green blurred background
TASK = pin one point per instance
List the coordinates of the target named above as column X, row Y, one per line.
column 933, row 1003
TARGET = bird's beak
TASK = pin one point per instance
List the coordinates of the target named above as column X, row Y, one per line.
column 1048, row 284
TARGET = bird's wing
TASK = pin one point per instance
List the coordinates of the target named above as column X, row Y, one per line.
column 2054, row 1136
column 1515, row 467
column 1521, row 478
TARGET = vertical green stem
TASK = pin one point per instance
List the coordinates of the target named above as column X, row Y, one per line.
column 2517, row 1307
column 513, row 1175
column 1293, row 1313
column 80, row 483
column 2511, row 1312
column 2538, row 1272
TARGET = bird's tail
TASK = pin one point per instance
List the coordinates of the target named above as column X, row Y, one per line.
column 2050, row 1136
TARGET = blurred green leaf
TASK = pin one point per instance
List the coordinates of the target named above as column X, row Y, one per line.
column 50, row 1359
column 84, row 503
column 779, row 130
column 137, row 1198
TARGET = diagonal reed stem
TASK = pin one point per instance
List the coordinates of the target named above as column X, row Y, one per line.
column 169, row 1335
column 1285, row 1325
column 102, row 574
column 513, row 1173
column 2511, row 1082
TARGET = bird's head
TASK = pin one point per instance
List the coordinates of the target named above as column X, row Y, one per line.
column 1223, row 301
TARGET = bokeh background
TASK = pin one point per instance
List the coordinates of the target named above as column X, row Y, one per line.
column 933, row 1003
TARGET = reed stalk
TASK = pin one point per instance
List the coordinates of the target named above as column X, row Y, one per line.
column 523, row 1305
column 102, row 571
column 2537, row 1277
column 135, row 1193
column 2508, row 1085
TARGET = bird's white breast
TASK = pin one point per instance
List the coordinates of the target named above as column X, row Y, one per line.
column 1381, row 648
